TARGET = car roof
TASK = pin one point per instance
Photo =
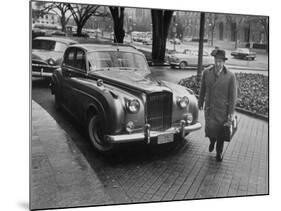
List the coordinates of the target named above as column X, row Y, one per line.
column 92, row 47
column 57, row 39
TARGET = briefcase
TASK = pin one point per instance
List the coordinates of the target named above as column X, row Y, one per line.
column 229, row 131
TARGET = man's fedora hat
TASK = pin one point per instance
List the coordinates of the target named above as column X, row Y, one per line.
column 219, row 54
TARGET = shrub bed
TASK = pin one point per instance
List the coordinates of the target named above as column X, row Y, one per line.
column 252, row 91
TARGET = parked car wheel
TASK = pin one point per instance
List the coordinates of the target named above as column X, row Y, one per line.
column 173, row 66
column 183, row 65
column 95, row 132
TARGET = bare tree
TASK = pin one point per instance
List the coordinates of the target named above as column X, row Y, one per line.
column 81, row 14
column 235, row 21
column 264, row 22
column 117, row 14
column 213, row 17
column 161, row 20
column 60, row 9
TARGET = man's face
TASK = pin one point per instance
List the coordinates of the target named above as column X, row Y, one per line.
column 219, row 63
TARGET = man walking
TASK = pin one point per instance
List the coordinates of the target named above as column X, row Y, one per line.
column 218, row 92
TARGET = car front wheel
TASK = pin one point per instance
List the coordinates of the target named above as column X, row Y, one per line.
column 183, row 65
column 96, row 134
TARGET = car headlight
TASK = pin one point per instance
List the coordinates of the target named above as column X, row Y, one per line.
column 182, row 102
column 51, row 61
column 133, row 105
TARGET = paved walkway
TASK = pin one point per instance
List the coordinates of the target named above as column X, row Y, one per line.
column 60, row 175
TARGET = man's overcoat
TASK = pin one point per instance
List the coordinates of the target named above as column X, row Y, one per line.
column 219, row 93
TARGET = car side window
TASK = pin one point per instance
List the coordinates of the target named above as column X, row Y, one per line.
column 70, row 57
column 80, row 62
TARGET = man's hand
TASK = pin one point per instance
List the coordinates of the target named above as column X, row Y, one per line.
column 229, row 120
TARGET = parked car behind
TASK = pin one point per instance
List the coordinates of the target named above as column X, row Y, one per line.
column 110, row 89
column 176, row 41
column 189, row 58
column 147, row 41
column 243, row 53
column 47, row 53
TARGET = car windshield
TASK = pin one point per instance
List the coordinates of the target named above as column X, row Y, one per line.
column 195, row 52
column 243, row 50
column 117, row 59
column 48, row 45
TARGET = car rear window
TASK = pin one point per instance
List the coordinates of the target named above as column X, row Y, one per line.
column 48, row 45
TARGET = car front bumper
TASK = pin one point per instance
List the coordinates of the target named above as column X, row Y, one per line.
column 147, row 134
column 42, row 70
column 174, row 63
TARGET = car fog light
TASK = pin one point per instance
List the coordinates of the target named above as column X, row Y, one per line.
column 130, row 126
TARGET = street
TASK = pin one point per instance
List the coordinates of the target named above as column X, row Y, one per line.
column 139, row 172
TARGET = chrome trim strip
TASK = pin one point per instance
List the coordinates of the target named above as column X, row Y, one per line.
column 44, row 65
column 153, row 134
column 41, row 74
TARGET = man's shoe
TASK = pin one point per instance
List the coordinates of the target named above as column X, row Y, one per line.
column 219, row 157
column 211, row 146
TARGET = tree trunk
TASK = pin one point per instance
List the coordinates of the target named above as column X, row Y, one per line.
column 63, row 23
column 79, row 29
column 161, row 20
column 201, row 45
column 212, row 37
column 118, row 19
column 236, row 39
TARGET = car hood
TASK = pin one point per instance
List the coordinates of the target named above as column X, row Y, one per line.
column 179, row 55
column 45, row 55
column 133, row 81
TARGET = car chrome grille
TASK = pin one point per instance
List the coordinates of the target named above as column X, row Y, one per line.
column 41, row 66
column 159, row 110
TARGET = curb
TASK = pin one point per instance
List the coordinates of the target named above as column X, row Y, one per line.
column 247, row 112
column 64, row 172
column 253, row 114
column 246, row 68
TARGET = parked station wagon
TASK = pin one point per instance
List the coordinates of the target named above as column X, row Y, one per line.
column 189, row 58
column 109, row 88
column 47, row 53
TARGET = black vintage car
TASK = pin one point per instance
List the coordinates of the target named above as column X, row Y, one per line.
column 109, row 88
column 243, row 53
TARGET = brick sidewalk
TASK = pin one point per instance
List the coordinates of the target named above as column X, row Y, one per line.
column 190, row 172
column 60, row 175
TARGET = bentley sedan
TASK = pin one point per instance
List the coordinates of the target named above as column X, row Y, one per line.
column 47, row 53
column 109, row 89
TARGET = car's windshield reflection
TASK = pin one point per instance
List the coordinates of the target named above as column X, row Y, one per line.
column 116, row 60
